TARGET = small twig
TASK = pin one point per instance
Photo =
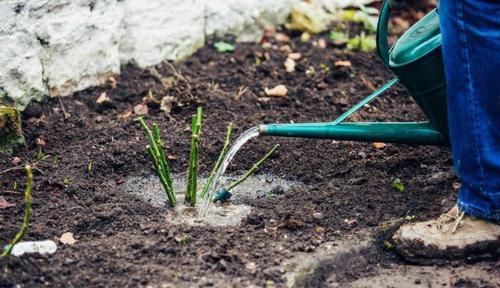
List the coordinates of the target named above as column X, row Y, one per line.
column 254, row 168
column 27, row 213
column 65, row 114
column 241, row 91
column 21, row 166
column 219, row 160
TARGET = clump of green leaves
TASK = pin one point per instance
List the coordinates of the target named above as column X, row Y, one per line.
column 27, row 212
column 362, row 42
column 224, row 47
column 398, row 185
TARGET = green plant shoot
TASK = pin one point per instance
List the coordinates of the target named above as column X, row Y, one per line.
column 219, row 160
column 398, row 185
column 27, row 212
column 192, row 183
column 156, row 153
column 254, row 168
column 223, row 47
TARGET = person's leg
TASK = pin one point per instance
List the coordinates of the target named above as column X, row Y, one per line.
column 471, row 49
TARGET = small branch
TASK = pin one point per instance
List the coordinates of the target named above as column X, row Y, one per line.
column 254, row 168
column 219, row 160
column 27, row 212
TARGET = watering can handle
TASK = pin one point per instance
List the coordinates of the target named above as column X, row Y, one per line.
column 382, row 41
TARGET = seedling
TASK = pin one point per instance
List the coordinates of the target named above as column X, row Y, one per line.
column 398, row 185
column 27, row 212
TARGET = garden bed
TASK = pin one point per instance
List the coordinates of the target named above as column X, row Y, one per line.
column 345, row 193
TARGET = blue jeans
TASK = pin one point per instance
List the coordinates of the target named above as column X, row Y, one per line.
column 471, row 49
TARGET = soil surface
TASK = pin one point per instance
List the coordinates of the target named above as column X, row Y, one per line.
column 91, row 149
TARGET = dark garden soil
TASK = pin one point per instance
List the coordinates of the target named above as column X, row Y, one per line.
column 124, row 241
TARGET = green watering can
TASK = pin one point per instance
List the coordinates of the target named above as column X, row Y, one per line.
column 417, row 61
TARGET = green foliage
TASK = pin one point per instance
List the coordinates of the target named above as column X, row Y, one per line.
column 224, row 47
column 388, row 245
column 27, row 212
column 366, row 16
column 338, row 36
column 362, row 43
column 398, row 185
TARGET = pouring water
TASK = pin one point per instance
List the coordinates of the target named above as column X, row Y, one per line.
column 216, row 184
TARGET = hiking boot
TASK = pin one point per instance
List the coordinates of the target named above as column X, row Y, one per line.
column 453, row 235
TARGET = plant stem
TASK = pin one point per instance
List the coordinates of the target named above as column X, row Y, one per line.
column 254, row 168
column 27, row 212
column 193, row 158
column 163, row 158
column 219, row 160
column 157, row 154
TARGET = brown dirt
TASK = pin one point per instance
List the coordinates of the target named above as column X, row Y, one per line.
column 123, row 241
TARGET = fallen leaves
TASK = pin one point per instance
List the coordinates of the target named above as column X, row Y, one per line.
column 289, row 65
column 141, row 109
column 277, row 91
column 103, row 98
column 294, row 56
column 379, row 145
column 166, row 104
column 4, row 203
column 67, row 238
column 342, row 63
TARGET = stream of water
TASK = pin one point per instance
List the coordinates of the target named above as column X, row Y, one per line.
column 216, row 184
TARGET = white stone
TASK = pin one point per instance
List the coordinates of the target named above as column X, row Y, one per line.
column 57, row 47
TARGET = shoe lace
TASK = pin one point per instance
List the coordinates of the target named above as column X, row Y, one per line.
column 454, row 215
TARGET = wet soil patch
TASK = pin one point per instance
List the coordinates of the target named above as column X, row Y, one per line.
column 124, row 240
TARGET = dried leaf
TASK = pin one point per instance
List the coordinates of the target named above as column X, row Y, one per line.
column 281, row 37
column 112, row 82
column 294, row 56
column 342, row 63
column 322, row 43
column 67, row 238
column 166, row 104
column 16, row 160
column 286, row 49
column 278, row 91
column 103, row 98
column 289, row 65
column 379, row 145
column 4, row 203
column 141, row 109
column 305, row 37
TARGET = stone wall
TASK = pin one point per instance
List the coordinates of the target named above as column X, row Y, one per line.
column 56, row 47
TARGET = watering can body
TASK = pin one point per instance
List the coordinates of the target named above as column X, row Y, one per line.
column 417, row 61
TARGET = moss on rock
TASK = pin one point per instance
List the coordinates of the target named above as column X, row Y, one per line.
column 10, row 129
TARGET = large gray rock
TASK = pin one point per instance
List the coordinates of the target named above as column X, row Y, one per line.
column 56, row 47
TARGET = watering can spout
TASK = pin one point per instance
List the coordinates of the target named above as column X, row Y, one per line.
column 423, row 133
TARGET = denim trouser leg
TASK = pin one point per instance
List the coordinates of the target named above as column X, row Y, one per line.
column 471, row 48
